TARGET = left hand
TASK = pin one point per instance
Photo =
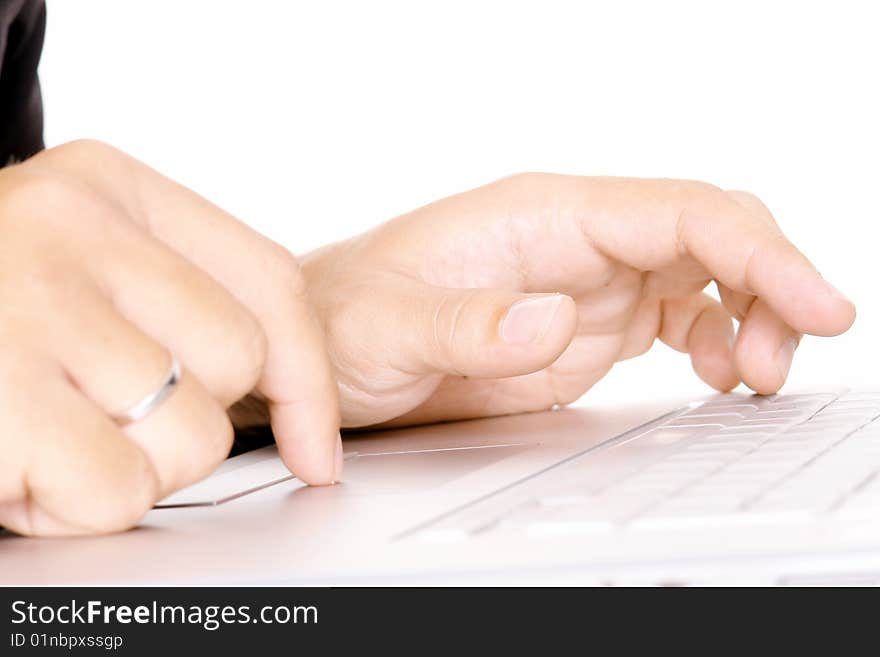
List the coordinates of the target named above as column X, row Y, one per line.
column 522, row 294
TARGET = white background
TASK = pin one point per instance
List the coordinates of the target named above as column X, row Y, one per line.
column 313, row 121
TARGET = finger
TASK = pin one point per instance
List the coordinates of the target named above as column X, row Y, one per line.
column 653, row 225
column 297, row 380
column 746, row 253
column 667, row 286
column 765, row 333
column 565, row 380
column 643, row 329
column 186, row 437
column 736, row 303
column 115, row 364
column 700, row 326
column 466, row 332
column 78, row 473
column 764, row 349
column 610, row 308
column 184, row 309
column 754, row 205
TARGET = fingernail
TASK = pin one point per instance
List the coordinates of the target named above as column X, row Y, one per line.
column 339, row 461
column 528, row 320
column 785, row 355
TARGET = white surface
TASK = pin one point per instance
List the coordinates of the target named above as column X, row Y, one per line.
column 337, row 535
column 314, row 121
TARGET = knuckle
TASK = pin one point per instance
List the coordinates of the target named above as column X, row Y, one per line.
column 39, row 203
column 742, row 196
column 86, row 148
column 285, row 271
column 29, row 192
column 695, row 196
column 45, row 289
column 524, row 180
column 698, row 188
column 693, row 204
column 752, row 204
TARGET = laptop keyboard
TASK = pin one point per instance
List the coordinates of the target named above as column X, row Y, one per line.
column 730, row 461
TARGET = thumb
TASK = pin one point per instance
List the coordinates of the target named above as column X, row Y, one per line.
column 480, row 332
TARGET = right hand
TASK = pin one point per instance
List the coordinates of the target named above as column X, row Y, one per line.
column 522, row 294
column 106, row 268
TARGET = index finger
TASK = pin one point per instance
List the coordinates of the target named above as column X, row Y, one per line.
column 654, row 224
column 297, row 379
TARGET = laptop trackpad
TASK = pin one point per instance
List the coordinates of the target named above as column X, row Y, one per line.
column 419, row 470
column 365, row 473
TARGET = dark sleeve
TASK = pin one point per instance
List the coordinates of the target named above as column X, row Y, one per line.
column 22, row 26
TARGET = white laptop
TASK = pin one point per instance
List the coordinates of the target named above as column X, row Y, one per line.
column 733, row 489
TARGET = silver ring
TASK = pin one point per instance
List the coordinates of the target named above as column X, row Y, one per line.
column 149, row 403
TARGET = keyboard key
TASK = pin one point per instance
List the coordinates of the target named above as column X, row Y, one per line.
column 744, row 431
column 788, row 417
column 814, row 501
column 728, row 462
column 443, row 535
column 665, row 521
column 762, row 456
column 725, row 405
column 724, row 453
column 804, row 399
column 701, row 422
column 549, row 528
column 733, row 491
column 649, row 488
column 862, row 396
column 761, row 471
column 859, row 405
column 564, row 500
column 769, row 423
column 806, row 437
column 802, row 407
column 605, row 515
column 726, row 445
column 729, row 411
column 684, row 468
column 850, row 416
column 665, row 435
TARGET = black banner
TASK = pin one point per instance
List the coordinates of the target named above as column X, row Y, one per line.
column 133, row 621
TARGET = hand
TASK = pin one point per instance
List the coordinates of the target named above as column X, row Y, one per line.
column 522, row 294
column 106, row 268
